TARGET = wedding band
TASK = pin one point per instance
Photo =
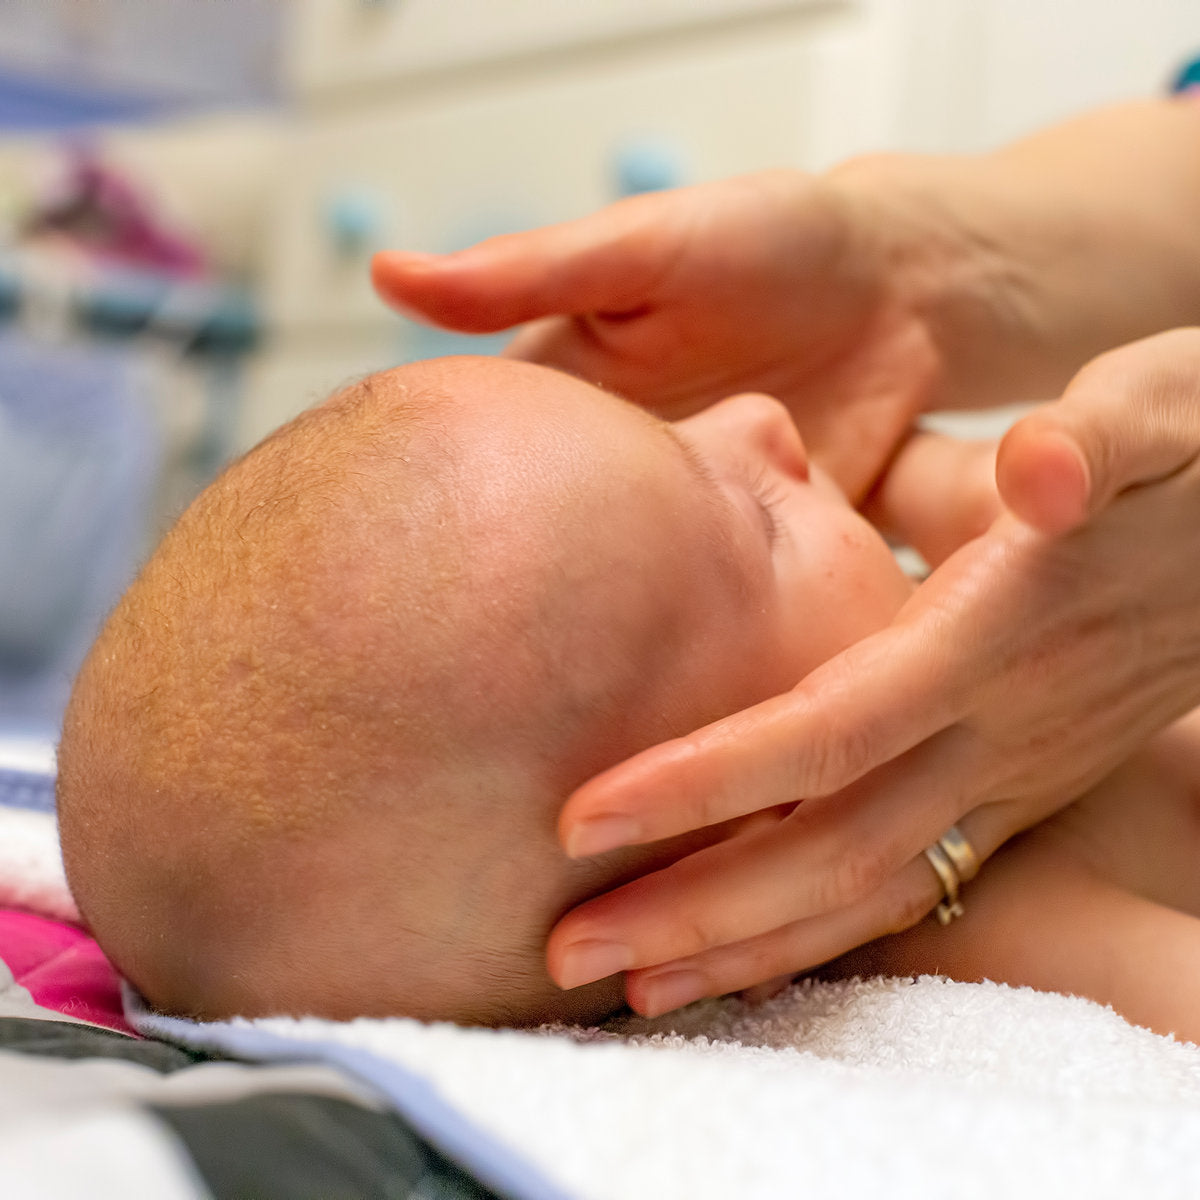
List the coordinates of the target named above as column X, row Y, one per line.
column 941, row 862
column 961, row 853
column 955, row 861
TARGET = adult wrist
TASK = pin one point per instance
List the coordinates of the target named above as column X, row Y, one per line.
column 1026, row 262
column 935, row 233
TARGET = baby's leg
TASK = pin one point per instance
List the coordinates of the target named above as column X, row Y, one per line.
column 1038, row 915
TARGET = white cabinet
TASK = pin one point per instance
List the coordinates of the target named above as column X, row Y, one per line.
column 446, row 169
column 430, row 124
column 346, row 44
column 439, row 160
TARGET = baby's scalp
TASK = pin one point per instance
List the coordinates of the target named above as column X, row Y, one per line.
column 323, row 652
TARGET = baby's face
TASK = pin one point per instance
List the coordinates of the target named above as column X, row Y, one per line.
column 816, row 575
column 730, row 564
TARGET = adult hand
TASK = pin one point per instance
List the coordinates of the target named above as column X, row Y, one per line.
column 776, row 282
column 890, row 285
column 1029, row 664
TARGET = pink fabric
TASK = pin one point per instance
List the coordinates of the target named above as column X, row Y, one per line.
column 62, row 968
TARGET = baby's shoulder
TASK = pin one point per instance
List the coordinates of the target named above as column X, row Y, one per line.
column 1140, row 827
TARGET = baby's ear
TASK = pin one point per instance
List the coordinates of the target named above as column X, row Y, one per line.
column 937, row 494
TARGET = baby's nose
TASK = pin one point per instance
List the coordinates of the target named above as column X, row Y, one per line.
column 772, row 432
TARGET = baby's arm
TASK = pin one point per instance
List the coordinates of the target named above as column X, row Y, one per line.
column 1100, row 902
column 1040, row 918
column 937, row 493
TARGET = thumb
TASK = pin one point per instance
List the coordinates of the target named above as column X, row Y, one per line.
column 605, row 262
column 1130, row 417
column 1043, row 473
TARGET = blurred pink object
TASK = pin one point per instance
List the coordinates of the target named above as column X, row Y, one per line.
column 62, row 968
column 107, row 216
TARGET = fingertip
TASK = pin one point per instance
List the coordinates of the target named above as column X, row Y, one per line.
column 650, row 994
column 594, row 820
column 601, row 833
column 603, row 813
column 467, row 290
column 554, row 970
column 558, row 942
column 387, row 264
column 572, row 813
column 391, row 270
column 381, row 270
column 579, row 961
column 1043, row 478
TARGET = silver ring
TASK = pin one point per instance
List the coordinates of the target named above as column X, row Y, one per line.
column 955, row 861
column 949, row 908
column 961, row 853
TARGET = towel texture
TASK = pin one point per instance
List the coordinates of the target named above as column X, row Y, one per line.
column 921, row 1089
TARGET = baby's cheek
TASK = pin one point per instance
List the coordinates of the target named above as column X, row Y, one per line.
column 883, row 587
column 844, row 585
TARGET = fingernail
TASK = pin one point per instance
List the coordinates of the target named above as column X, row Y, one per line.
column 671, row 989
column 408, row 258
column 585, row 962
column 597, row 834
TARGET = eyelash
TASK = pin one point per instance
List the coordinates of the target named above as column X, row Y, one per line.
column 769, row 495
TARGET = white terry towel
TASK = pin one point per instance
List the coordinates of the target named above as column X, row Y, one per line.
column 882, row 1088
column 879, row 1089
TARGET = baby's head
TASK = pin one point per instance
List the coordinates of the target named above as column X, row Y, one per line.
column 313, row 763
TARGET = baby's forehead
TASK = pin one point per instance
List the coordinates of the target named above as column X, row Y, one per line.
column 466, row 377
column 493, row 416
column 489, row 387
column 542, row 472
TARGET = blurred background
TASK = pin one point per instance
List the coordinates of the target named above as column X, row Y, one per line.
column 190, row 191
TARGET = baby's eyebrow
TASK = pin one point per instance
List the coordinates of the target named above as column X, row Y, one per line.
column 726, row 547
column 693, row 459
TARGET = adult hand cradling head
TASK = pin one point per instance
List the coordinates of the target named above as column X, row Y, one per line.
column 1034, row 659
column 539, row 597
column 315, row 760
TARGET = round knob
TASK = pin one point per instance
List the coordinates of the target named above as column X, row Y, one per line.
column 646, row 165
column 354, row 220
column 1188, row 76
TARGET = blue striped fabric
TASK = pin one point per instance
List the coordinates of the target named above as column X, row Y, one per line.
column 27, row 789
